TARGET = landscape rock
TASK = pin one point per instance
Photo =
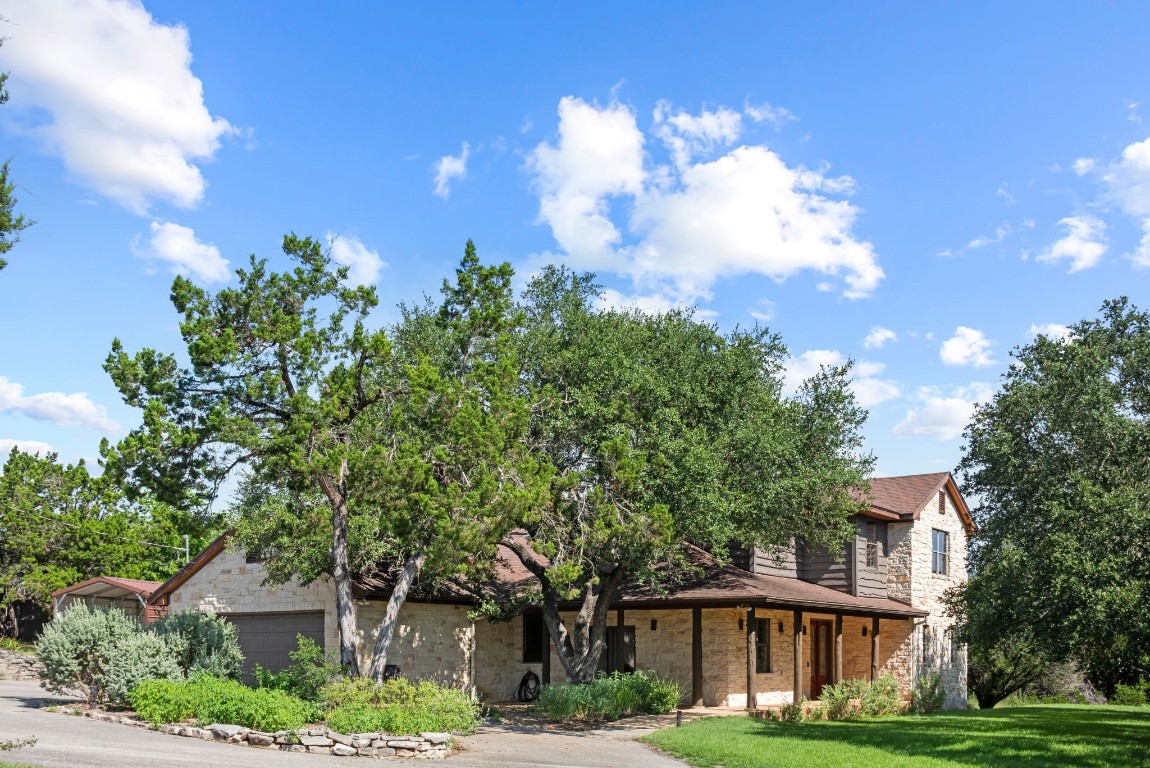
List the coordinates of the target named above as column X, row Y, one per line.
column 310, row 740
column 227, row 732
column 340, row 738
column 260, row 739
column 436, row 738
column 343, row 749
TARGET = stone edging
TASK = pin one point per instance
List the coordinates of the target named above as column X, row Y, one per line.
column 324, row 741
column 18, row 666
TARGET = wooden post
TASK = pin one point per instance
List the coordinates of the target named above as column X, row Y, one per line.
column 798, row 632
column 752, row 641
column 838, row 665
column 696, row 657
column 874, row 648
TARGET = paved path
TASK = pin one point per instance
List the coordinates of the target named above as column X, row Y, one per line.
column 77, row 742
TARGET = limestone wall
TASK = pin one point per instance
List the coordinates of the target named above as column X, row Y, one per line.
column 431, row 642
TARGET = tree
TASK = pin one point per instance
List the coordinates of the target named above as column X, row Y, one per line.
column 440, row 473
column 273, row 386
column 660, row 431
column 59, row 525
column 1059, row 463
column 11, row 223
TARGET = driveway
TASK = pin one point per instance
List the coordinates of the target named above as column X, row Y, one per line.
column 77, row 742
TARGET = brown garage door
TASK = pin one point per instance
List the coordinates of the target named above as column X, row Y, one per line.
column 267, row 638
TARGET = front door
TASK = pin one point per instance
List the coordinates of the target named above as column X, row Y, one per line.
column 821, row 661
column 619, row 653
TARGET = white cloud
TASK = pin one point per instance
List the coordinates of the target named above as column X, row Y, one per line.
column 1127, row 184
column 177, row 246
column 1000, row 234
column 449, row 168
column 55, row 407
column 25, row 446
column 695, row 222
column 940, row 414
column 767, row 113
column 878, row 337
column 1132, row 111
column 763, row 311
column 1084, row 243
column 967, row 347
column 1055, row 331
column 115, row 97
column 364, row 264
column 1084, row 165
column 868, row 388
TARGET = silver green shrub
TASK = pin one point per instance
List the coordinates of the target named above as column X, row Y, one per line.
column 140, row 657
column 202, row 642
column 76, row 647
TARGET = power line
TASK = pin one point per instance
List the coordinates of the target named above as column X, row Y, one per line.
column 58, row 521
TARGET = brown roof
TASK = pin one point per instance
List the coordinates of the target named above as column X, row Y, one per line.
column 102, row 586
column 906, row 495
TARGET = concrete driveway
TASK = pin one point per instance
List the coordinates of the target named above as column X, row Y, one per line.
column 77, row 742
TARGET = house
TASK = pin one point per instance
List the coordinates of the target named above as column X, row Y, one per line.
column 765, row 629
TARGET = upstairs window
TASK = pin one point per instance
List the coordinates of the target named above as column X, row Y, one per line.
column 762, row 645
column 875, row 543
column 940, row 552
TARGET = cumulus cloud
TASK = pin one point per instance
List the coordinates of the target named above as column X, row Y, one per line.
column 942, row 414
column 449, row 168
column 868, row 388
column 717, row 211
column 26, row 446
column 55, row 407
column 763, row 311
column 1055, row 331
column 364, row 265
column 1128, row 184
column 177, row 246
column 967, row 347
column 1000, row 234
column 1084, row 243
column 112, row 94
column 878, row 337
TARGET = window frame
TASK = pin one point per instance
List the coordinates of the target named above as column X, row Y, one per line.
column 762, row 646
column 939, row 558
column 872, row 554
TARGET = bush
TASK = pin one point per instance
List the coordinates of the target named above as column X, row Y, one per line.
column 928, row 694
column 12, row 644
column 310, row 671
column 77, row 645
column 609, row 698
column 358, row 705
column 210, row 699
column 1132, row 695
column 882, row 697
column 140, row 657
column 793, row 712
column 202, row 642
column 842, row 701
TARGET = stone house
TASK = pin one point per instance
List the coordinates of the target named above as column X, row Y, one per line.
column 765, row 629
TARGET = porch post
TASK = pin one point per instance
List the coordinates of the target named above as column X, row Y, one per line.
column 752, row 640
column 696, row 657
column 838, row 665
column 874, row 649
column 798, row 633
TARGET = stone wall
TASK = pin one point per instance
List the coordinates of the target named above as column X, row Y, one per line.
column 432, row 641
column 18, row 666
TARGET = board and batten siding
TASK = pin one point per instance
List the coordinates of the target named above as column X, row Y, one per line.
column 868, row 581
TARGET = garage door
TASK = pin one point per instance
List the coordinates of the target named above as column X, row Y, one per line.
column 267, row 638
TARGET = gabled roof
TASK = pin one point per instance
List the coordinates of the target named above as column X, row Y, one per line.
column 106, row 586
column 216, row 546
column 907, row 495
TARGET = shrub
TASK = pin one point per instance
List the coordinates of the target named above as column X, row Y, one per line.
column 202, row 642
column 140, row 657
column 928, row 694
column 842, row 701
column 358, row 705
column 76, row 646
column 793, row 712
column 210, row 699
column 882, row 697
column 609, row 698
column 310, row 671
column 1131, row 695
column 12, row 644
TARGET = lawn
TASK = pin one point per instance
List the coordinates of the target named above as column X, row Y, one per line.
column 1080, row 736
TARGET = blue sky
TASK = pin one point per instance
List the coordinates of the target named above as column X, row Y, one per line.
column 918, row 187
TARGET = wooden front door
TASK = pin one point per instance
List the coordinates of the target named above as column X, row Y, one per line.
column 822, row 648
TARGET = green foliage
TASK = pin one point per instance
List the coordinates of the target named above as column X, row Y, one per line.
column 357, row 705
column 210, row 699
column 310, row 671
column 202, row 642
column 843, row 700
column 138, row 657
column 928, row 694
column 77, row 646
column 793, row 712
column 609, row 698
column 8, row 745
column 1132, row 695
column 12, row 644
column 882, row 697
column 1057, row 461
column 11, row 224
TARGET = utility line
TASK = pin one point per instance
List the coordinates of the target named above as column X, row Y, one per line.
column 183, row 549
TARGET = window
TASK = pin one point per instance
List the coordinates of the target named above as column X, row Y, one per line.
column 254, row 556
column 872, row 544
column 940, row 552
column 534, row 638
column 762, row 645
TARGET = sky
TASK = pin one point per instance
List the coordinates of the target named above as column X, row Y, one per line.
column 919, row 188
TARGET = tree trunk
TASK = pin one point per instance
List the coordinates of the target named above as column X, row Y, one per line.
column 411, row 568
column 579, row 650
column 341, row 575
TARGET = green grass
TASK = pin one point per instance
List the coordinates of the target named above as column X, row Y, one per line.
column 1079, row 736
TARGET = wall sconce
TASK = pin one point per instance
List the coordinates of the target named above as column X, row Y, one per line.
column 864, row 631
column 654, row 624
column 780, row 627
column 740, row 625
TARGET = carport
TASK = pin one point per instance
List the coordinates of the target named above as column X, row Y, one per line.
column 128, row 595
